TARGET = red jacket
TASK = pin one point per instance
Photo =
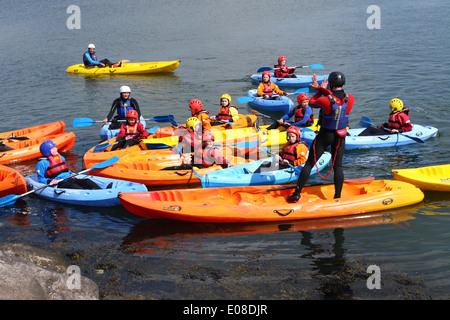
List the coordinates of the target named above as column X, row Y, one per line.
column 321, row 100
column 135, row 132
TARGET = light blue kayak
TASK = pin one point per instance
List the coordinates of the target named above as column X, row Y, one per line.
column 283, row 105
column 242, row 175
column 106, row 197
column 418, row 134
column 106, row 133
column 300, row 81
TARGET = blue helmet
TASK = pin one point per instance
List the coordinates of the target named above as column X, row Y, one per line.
column 46, row 148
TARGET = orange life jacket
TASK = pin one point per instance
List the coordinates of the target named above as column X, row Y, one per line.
column 289, row 152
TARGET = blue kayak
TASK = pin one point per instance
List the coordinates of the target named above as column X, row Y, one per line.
column 106, row 133
column 283, row 104
column 418, row 134
column 242, row 175
column 106, row 197
column 300, row 81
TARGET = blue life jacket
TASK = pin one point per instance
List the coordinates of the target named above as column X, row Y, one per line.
column 338, row 119
column 123, row 109
column 86, row 62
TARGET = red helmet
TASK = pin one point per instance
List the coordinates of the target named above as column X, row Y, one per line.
column 302, row 96
column 296, row 130
column 266, row 72
column 281, row 58
column 196, row 106
column 132, row 114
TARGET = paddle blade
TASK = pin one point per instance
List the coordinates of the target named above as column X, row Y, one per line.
column 9, row 200
column 365, row 122
column 82, row 122
column 102, row 146
column 245, row 99
column 264, row 69
column 316, row 66
column 152, row 146
column 105, row 163
column 305, row 90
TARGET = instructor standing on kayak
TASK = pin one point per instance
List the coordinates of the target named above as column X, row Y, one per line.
column 335, row 108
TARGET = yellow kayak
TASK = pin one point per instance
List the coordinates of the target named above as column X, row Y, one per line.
column 127, row 68
column 432, row 178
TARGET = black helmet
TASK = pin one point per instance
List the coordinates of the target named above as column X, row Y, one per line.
column 336, row 79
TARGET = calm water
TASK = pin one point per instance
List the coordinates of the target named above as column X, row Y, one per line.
column 220, row 44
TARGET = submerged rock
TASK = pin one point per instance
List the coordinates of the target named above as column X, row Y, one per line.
column 28, row 273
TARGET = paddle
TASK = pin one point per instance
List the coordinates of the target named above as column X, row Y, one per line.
column 366, row 122
column 349, row 181
column 250, row 99
column 257, row 113
column 312, row 66
column 192, row 167
column 86, row 122
column 11, row 199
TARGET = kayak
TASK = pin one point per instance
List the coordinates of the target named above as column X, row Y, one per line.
column 243, row 122
column 300, row 81
column 127, row 68
column 242, row 175
column 11, row 182
column 432, row 178
column 32, row 132
column 105, row 197
column 29, row 149
column 418, row 134
column 260, row 204
column 106, row 133
column 283, row 104
column 151, row 174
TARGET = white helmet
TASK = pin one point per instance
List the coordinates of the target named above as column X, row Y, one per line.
column 124, row 89
column 91, row 46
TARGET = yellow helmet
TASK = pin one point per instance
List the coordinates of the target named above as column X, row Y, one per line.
column 396, row 105
column 192, row 122
column 226, row 96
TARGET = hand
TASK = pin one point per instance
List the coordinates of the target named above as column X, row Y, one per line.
column 281, row 121
column 213, row 118
column 314, row 83
column 324, row 83
column 394, row 131
column 105, row 121
column 102, row 64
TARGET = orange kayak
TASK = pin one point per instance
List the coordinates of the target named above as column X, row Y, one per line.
column 33, row 132
column 11, row 182
column 147, row 169
column 29, row 149
column 261, row 204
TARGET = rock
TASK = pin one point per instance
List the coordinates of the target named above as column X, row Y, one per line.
column 28, row 273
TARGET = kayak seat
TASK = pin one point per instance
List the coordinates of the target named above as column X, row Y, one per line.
column 244, row 198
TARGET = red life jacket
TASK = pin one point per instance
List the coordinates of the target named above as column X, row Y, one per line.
column 188, row 141
column 132, row 132
column 289, row 152
column 224, row 113
column 394, row 119
column 268, row 88
column 299, row 113
column 205, row 157
column 282, row 72
column 56, row 167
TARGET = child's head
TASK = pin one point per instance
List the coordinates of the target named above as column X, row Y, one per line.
column 207, row 139
column 396, row 105
column 266, row 76
column 193, row 124
column 48, row 148
column 195, row 106
column 132, row 117
column 293, row 134
column 282, row 61
column 225, row 100
column 303, row 99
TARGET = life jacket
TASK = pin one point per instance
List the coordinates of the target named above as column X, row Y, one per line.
column 281, row 72
column 394, row 119
column 224, row 113
column 124, row 107
column 205, row 157
column 299, row 114
column 56, row 167
column 188, row 141
column 86, row 61
column 132, row 132
column 268, row 88
column 338, row 118
column 289, row 152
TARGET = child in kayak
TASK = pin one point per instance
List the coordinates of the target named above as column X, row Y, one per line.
column 281, row 70
column 196, row 107
column 398, row 122
column 189, row 137
column 53, row 168
column 122, row 105
column 131, row 132
column 292, row 154
column 227, row 112
column 303, row 114
column 268, row 89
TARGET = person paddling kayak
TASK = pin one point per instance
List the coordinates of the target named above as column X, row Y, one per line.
column 122, row 105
